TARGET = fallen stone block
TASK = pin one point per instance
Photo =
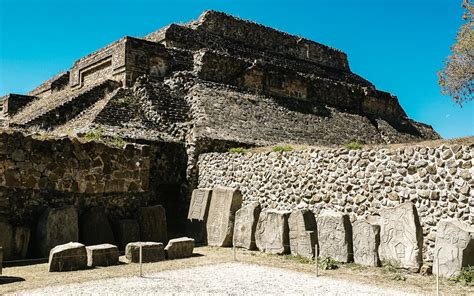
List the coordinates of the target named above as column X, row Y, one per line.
column 180, row 248
column 366, row 241
column 151, row 252
column 335, row 236
column 220, row 221
column 152, row 221
column 95, row 229
column 303, row 235
column 401, row 236
column 198, row 213
column 68, row 257
column 102, row 255
column 245, row 225
column 272, row 234
column 454, row 248
column 55, row 227
column 126, row 231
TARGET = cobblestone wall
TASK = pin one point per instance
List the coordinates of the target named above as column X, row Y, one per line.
column 438, row 179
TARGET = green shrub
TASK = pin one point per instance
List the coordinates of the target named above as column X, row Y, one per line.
column 328, row 263
column 282, row 148
column 93, row 135
column 354, row 145
column 238, row 150
column 466, row 276
column 118, row 142
column 393, row 270
column 299, row 259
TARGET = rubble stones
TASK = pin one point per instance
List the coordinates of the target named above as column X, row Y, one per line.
column 366, row 241
column 401, row 236
column 151, row 252
column 272, row 233
column 102, row 255
column 179, row 248
column 68, row 257
column 152, row 221
column 56, row 226
column 303, row 235
column 335, row 236
column 454, row 247
column 95, row 228
column 246, row 219
column 220, row 222
column 126, row 231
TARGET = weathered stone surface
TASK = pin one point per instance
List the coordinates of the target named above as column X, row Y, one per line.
column 303, row 235
column 56, row 226
column 102, row 255
column 454, row 247
column 179, row 248
column 220, row 222
column 95, row 228
column 366, row 241
column 335, row 236
column 272, row 233
column 246, row 219
column 401, row 236
column 68, row 257
column 197, row 214
column 6, row 234
column 152, row 221
column 126, row 231
column 1, row 259
column 20, row 241
column 151, row 252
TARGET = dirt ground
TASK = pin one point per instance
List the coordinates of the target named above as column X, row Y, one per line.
column 37, row 276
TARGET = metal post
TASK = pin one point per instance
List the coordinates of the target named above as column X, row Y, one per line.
column 437, row 276
column 1, row 259
column 235, row 257
column 316, row 259
column 141, row 258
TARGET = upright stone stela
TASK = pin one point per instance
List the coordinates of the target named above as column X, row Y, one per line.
column 245, row 225
column 220, row 222
column 335, row 236
column 366, row 241
column 272, row 234
column 197, row 214
column 303, row 236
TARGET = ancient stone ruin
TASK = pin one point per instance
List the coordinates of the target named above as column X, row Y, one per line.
column 129, row 147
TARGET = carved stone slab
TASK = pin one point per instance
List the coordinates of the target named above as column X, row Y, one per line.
column 401, row 236
column 197, row 214
column 55, row 227
column 126, row 231
column 245, row 225
column 454, row 247
column 102, row 255
column 68, row 257
column 366, row 241
column 6, row 236
column 152, row 221
column 303, row 235
column 94, row 228
column 272, row 234
column 179, row 248
column 335, row 236
column 151, row 252
column 220, row 221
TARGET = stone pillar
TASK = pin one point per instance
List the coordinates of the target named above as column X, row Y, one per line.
column 366, row 241
column 245, row 225
column 152, row 221
column 197, row 215
column 303, row 236
column 335, row 236
column 454, row 247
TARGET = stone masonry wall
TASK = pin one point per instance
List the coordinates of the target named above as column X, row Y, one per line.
column 438, row 178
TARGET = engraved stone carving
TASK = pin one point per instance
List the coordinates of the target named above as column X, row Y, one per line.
column 454, row 247
column 245, row 225
column 220, row 221
column 197, row 215
column 401, row 236
column 303, row 236
column 126, row 231
column 152, row 221
column 335, row 236
column 55, row 227
column 95, row 229
column 68, row 257
column 366, row 241
column 272, row 234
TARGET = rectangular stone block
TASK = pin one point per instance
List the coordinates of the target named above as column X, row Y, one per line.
column 95, row 229
column 366, row 241
column 6, row 235
column 220, row 222
column 272, row 233
column 179, row 248
column 68, row 257
column 401, row 238
column 246, row 220
column 126, row 231
column 335, row 236
column 102, row 255
column 454, row 248
column 152, row 221
column 303, row 235
column 197, row 215
column 55, row 227
column 151, row 252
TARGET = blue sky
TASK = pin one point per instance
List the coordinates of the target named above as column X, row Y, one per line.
column 399, row 45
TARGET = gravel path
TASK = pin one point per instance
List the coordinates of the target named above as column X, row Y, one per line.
column 227, row 278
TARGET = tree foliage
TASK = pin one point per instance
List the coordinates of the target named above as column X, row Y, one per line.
column 457, row 77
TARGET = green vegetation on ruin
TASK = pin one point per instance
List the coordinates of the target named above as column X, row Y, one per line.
column 354, row 145
column 282, row 148
column 238, row 150
column 466, row 277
